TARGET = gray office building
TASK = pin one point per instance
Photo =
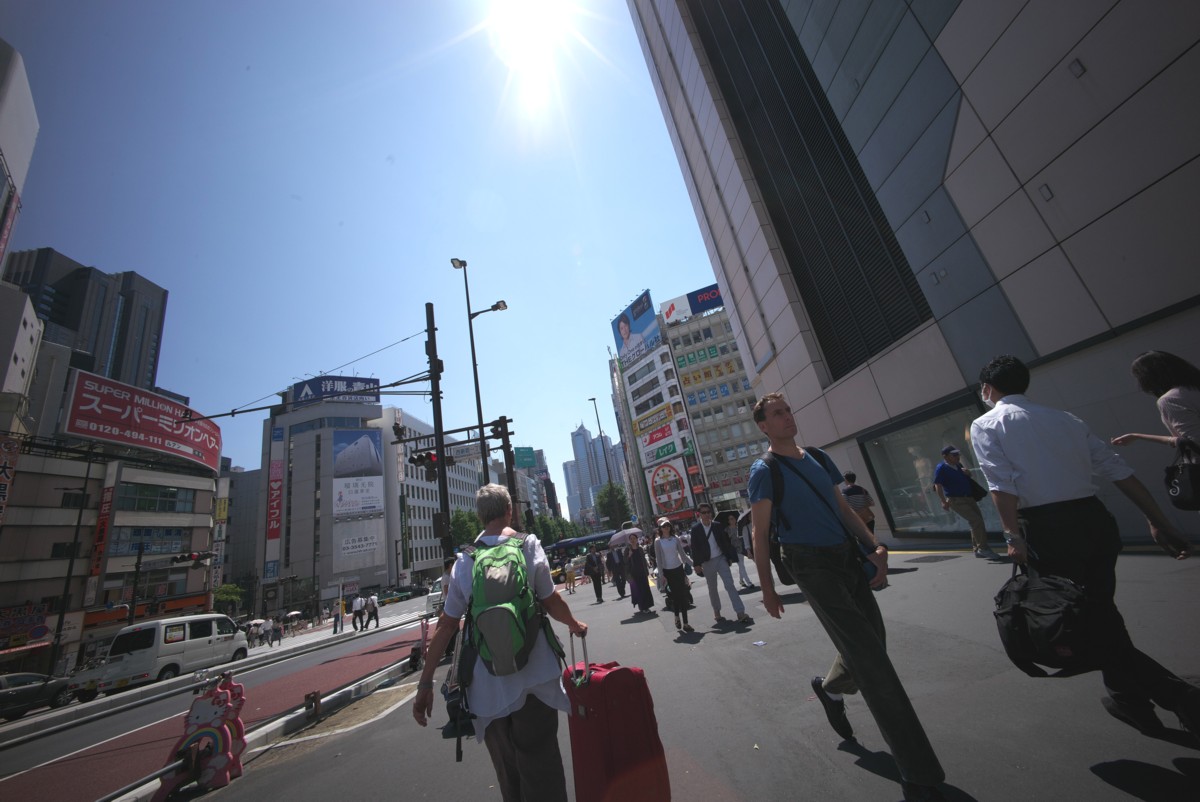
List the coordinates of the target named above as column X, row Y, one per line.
column 893, row 193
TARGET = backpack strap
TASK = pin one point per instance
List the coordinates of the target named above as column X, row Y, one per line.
column 823, row 460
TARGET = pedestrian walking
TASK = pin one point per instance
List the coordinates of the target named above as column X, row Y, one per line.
column 1040, row 464
column 713, row 553
column 1175, row 384
column 672, row 577
column 616, row 569
column 738, row 537
column 515, row 715
column 639, row 576
column 339, row 609
column 952, row 483
column 569, row 574
column 814, row 524
column 859, row 499
column 372, row 608
column 359, row 607
column 594, row 568
column 268, row 631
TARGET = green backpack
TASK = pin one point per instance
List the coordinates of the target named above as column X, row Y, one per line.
column 504, row 615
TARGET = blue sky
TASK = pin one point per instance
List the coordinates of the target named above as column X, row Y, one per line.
column 299, row 174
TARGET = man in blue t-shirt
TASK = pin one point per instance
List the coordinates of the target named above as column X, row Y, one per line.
column 815, row 525
column 953, row 486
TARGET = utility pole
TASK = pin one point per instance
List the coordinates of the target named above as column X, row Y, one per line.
column 441, row 521
column 137, row 577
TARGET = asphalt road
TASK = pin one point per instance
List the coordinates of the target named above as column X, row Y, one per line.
column 739, row 722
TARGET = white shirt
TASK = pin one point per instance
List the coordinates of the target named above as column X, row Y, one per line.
column 359, row 603
column 491, row 697
column 667, row 552
column 1041, row 454
column 714, row 551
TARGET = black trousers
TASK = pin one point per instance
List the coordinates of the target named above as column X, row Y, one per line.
column 1079, row 540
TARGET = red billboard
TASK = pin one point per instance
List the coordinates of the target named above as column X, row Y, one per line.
column 103, row 409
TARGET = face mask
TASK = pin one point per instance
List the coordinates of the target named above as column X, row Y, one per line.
column 987, row 402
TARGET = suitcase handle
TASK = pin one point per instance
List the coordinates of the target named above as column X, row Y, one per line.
column 587, row 666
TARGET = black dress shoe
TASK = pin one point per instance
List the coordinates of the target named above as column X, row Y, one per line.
column 921, row 793
column 1141, row 719
column 835, row 710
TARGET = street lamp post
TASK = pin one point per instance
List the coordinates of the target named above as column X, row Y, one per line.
column 66, row 594
column 607, row 467
column 499, row 306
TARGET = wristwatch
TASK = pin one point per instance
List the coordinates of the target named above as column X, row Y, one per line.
column 1012, row 537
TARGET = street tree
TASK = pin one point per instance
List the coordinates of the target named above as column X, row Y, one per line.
column 612, row 505
column 464, row 527
column 229, row 595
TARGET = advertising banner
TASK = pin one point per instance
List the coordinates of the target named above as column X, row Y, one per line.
column 357, row 471
column 636, row 331
column 103, row 409
column 346, row 389
column 10, row 449
column 694, row 303
column 23, row 624
column 652, row 420
column 669, row 488
column 359, row 544
column 100, row 541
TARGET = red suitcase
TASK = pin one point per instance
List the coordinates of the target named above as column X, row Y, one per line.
column 615, row 747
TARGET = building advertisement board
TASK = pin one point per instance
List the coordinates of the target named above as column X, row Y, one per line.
column 636, row 331
column 669, row 489
column 357, row 471
column 100, row 539
column 107, row 410
column 358, row 544
column 10, row 449
column 694, row 303
column 345, row 389
column 274, row 503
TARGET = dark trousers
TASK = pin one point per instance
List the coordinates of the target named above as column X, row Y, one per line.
column 524, row 751
column 836, row 588
column 618, row 578
column 679, row 591
column 597, row 585
column 1079, row 540
column 359, row 621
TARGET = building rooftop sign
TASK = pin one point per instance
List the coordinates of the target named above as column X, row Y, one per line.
column 348, row 389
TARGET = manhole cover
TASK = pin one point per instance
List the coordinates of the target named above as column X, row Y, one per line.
column 934, row 558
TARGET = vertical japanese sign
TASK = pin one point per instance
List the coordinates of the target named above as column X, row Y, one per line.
column 274, row 504
column 10, row 449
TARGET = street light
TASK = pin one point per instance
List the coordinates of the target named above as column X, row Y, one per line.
column 499, row 306
column 607, row 467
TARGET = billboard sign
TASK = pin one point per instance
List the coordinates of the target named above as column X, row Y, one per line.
column 694, row 303
column 636, row 331
column 346, row 389
column 357, row 471
column 669, row 488
column 103, row 409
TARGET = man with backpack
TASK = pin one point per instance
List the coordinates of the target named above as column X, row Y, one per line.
column 1041, row 464
column 372, row 606
column 820, row 535
column 513, row 681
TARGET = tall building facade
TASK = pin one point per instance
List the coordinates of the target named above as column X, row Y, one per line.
column 891, row 194
column 113, row 323
column 18, row 136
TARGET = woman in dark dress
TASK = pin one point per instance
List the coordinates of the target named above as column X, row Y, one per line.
column 639, row 576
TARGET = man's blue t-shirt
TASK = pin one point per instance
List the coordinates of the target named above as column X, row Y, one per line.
column 953, row 481
column 813, row 520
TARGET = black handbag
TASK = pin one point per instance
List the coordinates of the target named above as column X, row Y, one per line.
column 978, row 491
column 1183, row 476
column 1043, row 621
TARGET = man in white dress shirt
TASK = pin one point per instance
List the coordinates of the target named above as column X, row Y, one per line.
column 1040, row 463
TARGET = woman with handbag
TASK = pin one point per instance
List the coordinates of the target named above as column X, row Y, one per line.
column 639, row 577
column 672, row 581
column 1175, row 382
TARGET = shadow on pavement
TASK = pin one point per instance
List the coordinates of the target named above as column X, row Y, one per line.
column 1144, row 781
column 883, row 765
column 795, row 597
column 640, row 618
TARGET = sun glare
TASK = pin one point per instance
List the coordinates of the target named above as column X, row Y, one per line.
column 527, row 35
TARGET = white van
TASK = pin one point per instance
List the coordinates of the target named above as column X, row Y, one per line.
column 162, row 649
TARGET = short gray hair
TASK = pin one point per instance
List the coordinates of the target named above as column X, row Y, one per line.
column 491, row 502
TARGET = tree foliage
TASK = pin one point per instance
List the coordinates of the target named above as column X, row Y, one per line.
column 612, row 505
column 230, row 595
column 464, row 527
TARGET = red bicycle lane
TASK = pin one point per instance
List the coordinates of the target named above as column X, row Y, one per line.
column 101, row 769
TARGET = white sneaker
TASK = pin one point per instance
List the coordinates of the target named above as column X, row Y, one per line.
column 987, row 554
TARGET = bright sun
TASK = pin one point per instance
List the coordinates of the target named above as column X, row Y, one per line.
column 527, row 36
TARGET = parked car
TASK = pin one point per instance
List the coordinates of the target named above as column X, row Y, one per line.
column 159, row 650
column 20, row 693
column 391, row 596
column 413, row 590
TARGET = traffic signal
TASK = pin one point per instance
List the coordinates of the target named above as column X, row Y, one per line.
column 196, row 558
column 428, row 459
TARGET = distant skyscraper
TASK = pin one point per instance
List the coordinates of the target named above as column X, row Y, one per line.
column 112, row 323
